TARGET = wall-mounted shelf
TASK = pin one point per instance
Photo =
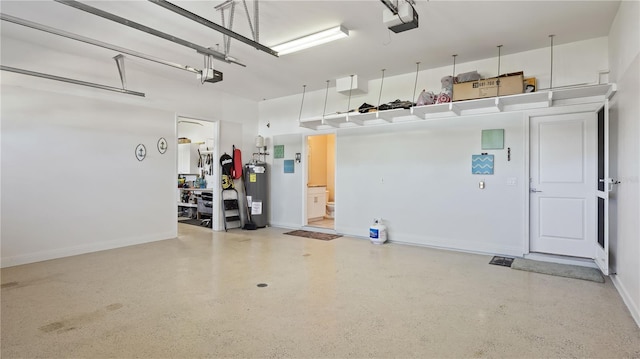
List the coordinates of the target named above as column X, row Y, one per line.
column 189, row 205
column 520, row 102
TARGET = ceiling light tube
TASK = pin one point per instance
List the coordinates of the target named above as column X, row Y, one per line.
column 308, row 41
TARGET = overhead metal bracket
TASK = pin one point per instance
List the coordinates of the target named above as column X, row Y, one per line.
column 232, row 12
column 138, row 26
column 120, row 63
column 199, row 19
column 72, row 36
column 254, row 25
column 393, row 8
column 68, row 80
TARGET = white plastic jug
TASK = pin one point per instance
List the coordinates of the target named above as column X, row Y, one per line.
column 378, row 232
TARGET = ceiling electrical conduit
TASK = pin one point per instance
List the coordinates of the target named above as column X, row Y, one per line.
column 68, row 80
column 201, row 49
column 87, row 40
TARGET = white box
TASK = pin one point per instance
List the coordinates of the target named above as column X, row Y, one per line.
column 359, row 87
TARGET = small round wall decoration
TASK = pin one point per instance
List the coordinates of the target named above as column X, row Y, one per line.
column 141, row 152
column 162, row 145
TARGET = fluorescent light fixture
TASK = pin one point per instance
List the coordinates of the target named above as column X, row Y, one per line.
column 308, row 41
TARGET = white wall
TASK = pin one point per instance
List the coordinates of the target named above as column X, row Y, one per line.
column 624, row 54
column 133, row 205
column 187, row 99
column 417, row 176
column 287, row 189
column 70, row 180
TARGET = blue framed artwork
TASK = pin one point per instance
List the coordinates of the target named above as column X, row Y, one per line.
column 482, row 164
column 288, row 166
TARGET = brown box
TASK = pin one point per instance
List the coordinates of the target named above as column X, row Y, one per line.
column 508, row 85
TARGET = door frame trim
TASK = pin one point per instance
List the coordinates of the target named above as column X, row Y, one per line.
column 217, row 213
column 601, row 254
column 305, row 169
column 527, row 182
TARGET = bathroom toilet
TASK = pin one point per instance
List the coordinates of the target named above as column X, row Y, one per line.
column 330, row 209
column 330, row 206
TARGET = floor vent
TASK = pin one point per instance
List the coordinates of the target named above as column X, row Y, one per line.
column 501, row 261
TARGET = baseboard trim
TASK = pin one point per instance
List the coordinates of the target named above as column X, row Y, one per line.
column 285, row 225
column 443, row 243
column 626, row 298
column 82, row 249
column 501, row 252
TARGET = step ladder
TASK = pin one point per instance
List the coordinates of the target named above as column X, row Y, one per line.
column 230, row 208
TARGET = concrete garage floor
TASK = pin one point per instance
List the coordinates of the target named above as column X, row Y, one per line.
column 197, row 296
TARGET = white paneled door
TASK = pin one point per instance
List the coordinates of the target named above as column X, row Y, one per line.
column 563, row 184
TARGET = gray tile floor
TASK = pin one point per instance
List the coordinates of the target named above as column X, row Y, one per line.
column 197, row 296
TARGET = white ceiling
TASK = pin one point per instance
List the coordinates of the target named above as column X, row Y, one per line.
column 471, row 29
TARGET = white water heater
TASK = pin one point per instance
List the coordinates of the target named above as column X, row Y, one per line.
column 259, row 142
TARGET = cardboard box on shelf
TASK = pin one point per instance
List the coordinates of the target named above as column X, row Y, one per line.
column 509, row 84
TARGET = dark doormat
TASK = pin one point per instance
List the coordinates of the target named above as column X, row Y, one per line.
column 557, row 269
column 195, row 222
column 501, row 261
column 314, row 235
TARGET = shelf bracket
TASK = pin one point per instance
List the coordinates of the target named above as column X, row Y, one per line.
column 454, row 109
column 612, row 91
column 331, row 124
column 306, row 125
column 499, row 104
column 357, row 121
column 382, row 118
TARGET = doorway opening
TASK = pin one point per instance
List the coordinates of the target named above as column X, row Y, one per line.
column 321, row 204
column 196, row 157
